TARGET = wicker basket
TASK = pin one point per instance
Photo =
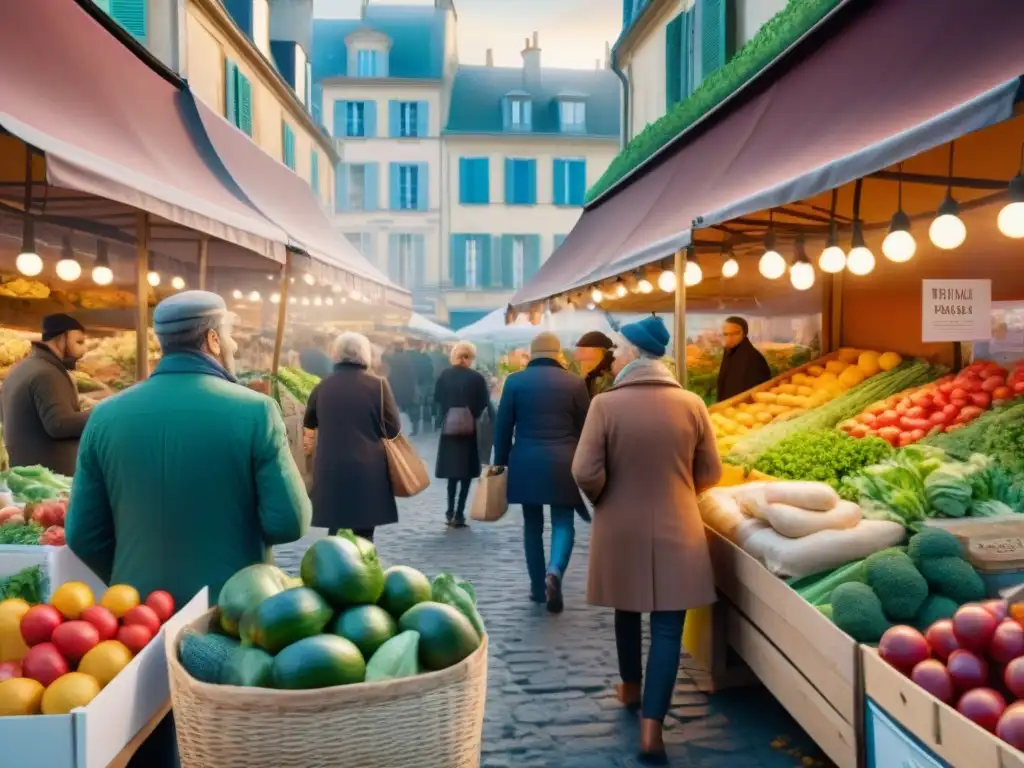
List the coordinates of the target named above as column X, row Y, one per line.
column 434, row 720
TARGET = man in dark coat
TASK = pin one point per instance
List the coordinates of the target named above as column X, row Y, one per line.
column 743, row 366
column 352, row 411
column 540, row 419
column 425, row 378
column 42, row 420
column 402, row 378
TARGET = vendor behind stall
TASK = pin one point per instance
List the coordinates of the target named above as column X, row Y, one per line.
column 39, row 409
column 743, row 367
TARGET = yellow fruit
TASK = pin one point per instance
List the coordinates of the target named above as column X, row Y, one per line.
column 72, row 598
column 849, row 355
column 868, row 363
column 75, row 689
column 851, row 377
column 836, row 366
column 20, row 696
column 12, row 646
column 764, row 397
column 889, row 360
column 105, row 661
column 801, row 378
column 815, row 370
column 120, row 599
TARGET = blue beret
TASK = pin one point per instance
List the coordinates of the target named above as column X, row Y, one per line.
column 186, row 310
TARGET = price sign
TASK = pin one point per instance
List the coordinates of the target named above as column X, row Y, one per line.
column 956, row 310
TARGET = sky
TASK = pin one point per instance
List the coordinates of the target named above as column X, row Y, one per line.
column 572, row 32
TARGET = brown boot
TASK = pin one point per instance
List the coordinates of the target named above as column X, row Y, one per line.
column 629, row 695
column 652, row 748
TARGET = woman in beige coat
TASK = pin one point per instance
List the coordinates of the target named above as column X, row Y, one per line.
column 646, row 452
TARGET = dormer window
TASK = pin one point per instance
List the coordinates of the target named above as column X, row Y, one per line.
column 368, row 64
column 518, row 112
column 368, row 52
column 572, row 116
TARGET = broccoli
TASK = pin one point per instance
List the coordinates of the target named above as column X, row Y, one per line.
column 900, row 587
column 933, row 542
column 858, row 612
column 953, row 577
column 935, row 607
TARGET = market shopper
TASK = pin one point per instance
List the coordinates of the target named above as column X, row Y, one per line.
column 743, row 366
column 425, row 380
column 646, row 452
column 185, row 477
column 540, row 417
column 348, row 415
column 594, row 354
column 39, row 409
column 312, row 359
column 461, row 395
column 402, row 378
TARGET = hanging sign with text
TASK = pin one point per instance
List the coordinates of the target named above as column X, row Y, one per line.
column 956, row 310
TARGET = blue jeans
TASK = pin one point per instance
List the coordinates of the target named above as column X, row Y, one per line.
column 562, row 535
column 662, row 658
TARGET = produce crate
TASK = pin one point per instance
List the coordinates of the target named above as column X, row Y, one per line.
column 807, row 663
column 95, row 735
column 902, row 716
column 60, row 565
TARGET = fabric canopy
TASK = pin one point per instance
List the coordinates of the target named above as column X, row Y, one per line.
column 110, row 126
column 893, row 79
column 424, row 326
column 568, row 326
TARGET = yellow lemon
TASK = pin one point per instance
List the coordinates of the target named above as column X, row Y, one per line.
column 120, row 599
column 105, row 661
column 72, row 598
column 75, row 689
column 20, row 696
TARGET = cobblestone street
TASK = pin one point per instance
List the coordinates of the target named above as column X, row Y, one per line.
column 551, row 700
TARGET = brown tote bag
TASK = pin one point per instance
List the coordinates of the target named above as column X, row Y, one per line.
column 408, row 473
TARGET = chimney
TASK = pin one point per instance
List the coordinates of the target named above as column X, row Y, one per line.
column 531, row 62
column 597, row 64
column 490, row 57
column 607, row 55
column 292, row 20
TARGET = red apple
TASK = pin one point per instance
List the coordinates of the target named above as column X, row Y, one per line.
column 1013, row 677
column 996, row 607
column 38, row 623
column 1011, row 725
column 982, row 706
column 904, row 648
column 974, row 627
column 162, row 604
column 74, row 639
column 142, row 615
column 134, row 637
column 932, row 675
column 44, row 663
column 1007, row 642
column 941, row 639
column 104, row 621
column 967, row 670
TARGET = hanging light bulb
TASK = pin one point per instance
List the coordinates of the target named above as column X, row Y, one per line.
column 102, row 274
column 899, row 245
column 293, row 300
column 329, row 301
column 947, row 230
column 68, row 268
column 28, row 262
column 771, row 265
column 591, row 306
column 177, row 282
column 730, row 267
column 643, row 285
column 692, row 274
column 318, row 302
column 275, row 298
column 153, row 278
column 254, row 296
column 801, row 273
column 309, row 279
column 861, row 260
column 596, row 296
column 667, row 281
column 305, row 301
column 1011, row 218
column 336, row 289
column 236, row 295
column 620, row 289
column 832, row 258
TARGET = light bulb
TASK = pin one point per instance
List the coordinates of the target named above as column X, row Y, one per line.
column 667, row 281
column 270, row 277
column 318, row 302
column 947, row 231
column 102, row 275
column 254, row 296
column 596, row 296
column 730, row 268
column 177, row 282
column 236, row 294
column 832, row 260
column 153, row 278
column 310, row 280
column 305, row 301
column 293, row 300
column 329, row 301
column 771, row 265
column 275, row 298
column 591, row 306
column 693, row 274
column 69, row 270
column 1011, row 220
column 801, row 275
column 644, row 285
column 861, row 261
column 29, row 263
column 620, row 289
column 336, row 289
column 899, row 246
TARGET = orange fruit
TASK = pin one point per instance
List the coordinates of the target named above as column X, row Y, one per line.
column 20, row 696
column 105, row 661
column 12, row 644
column 72, row 598
column 120, row 599
column 75, row 689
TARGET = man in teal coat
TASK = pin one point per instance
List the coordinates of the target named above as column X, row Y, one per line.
column 187, row 476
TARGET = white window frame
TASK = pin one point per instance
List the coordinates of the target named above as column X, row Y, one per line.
column 355, row 119
column 472, row 257
column 572, row 114
column 408, row 187
column 520, row 112
column 518, row 260
column 367, row 63
column 408, row 119
column 354, row 203
column 406, row 260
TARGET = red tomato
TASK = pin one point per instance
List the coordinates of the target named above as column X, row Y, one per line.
column 958, row 393
column 887, row 419
column 939, row 400
column 918, row 434
column 959, row 402
column 917, row 412
column 939, row 418
column 902, row 407
column 1002, row 393
column 968, row 414
column 992, row 383
column 1018, row 387
column 868, row 419
column 908, row 424
column 890, row 434
column 162, row 604
column 906, row 438
column 981, row 399
column 859, row 430
column 946, row 387
column 922, row 399
column 952, row 410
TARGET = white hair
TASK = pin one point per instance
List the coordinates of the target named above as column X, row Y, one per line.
column 626, row 350
column 351, row 347
column 462, row 349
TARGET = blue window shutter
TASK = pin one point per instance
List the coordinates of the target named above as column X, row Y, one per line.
column 341, row 188
column 370, row 119
column 531, row 256
column 244, row 96
column 559, row 239
column 714, row 32
column 510, row 181
column 423, row 118
column 466, row 180
column 507, row 260
column 394, row 119
column 394, row 186
column 231, row 91
column 457, row 261
column 314, row 172
column 673, row 59
column 506, row 113
column 340, row 118
column 559, row 193
column 531, row 182
column 422, row 187
column 482, row 180
column 521, row 182
column 371, row 187
column 686, row 56
column 577, row 182
column 130, row 14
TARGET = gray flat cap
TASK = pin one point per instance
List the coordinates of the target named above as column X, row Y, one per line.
column 185, row 310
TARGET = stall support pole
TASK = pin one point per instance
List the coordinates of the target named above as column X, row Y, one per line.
column 141, row 297
column 679, row 315
column 204, row 255
column 282, row 311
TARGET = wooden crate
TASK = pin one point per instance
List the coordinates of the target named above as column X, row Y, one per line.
column 953, row 738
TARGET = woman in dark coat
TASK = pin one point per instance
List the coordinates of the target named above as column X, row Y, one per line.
column 351, row 412
column 461, row 396
column 540, row 418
